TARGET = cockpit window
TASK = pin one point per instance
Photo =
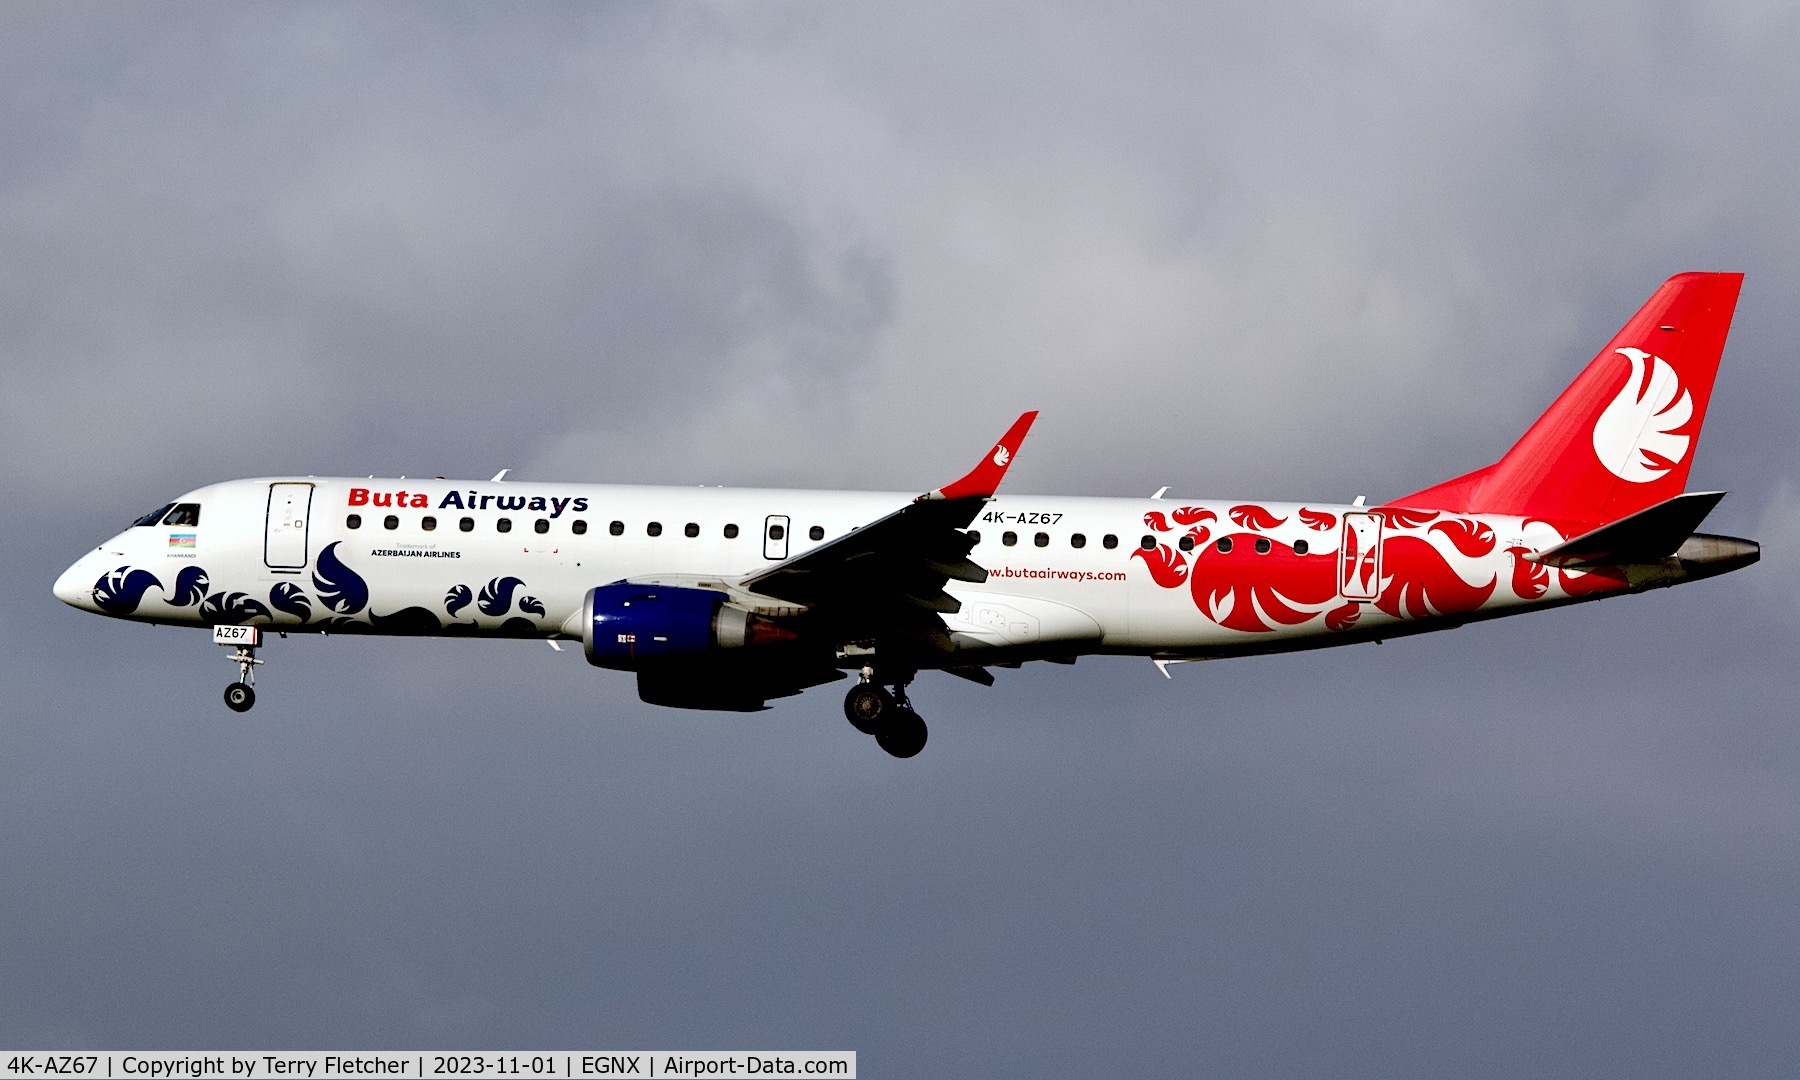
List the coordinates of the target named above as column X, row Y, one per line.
column 154, row 516
column 186, row 514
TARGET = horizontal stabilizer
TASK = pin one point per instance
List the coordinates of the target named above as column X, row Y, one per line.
column 1645, row 536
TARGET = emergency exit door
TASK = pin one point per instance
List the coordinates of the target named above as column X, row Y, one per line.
column 775, row 537
column 284, row 539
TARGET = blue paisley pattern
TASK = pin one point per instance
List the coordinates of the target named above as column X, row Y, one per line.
column 287, row 598
column 496, row 595
column 232, row 607
column 342, row 596
column 190, row 586
column 120, row 592
column 340, row 588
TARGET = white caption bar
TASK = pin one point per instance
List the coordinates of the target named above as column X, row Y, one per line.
column 417, row 1064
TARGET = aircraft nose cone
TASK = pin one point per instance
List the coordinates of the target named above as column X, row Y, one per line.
column 76, row 585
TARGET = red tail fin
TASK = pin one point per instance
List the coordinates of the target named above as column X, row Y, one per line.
column 1621, row 437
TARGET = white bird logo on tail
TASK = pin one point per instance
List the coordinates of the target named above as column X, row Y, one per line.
column 1635, row 437
column 1001, row 455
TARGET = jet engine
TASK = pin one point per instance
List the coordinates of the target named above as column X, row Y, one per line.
column 625, row 626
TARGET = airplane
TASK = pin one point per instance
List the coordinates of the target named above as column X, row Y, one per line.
column 728, row 599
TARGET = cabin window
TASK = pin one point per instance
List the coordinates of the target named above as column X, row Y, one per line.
column 466, row 524
column 1224, row 545
column 1262, row 545
column 578, row 526
column 617, row 528
column 428, row 523
column 186, row 515
column 390, row 522
column 1186, row 544
column 354, row 521
column 542, row 525
column 974, row 537
column 654, row 528
column 1300, row 547
column 692, row 529
column 1041, row 539
column 1009, row 538
column 731, row 532
column 817, row 532
column 1077, row 540
column 155, row 515
column 504, row 525
column 1148, row 543
column 1109, row 541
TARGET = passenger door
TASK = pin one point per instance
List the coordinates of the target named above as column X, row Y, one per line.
column 285, row 535
column 1359, row 558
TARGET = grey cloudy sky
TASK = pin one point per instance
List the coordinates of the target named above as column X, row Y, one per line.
column 1315, row 251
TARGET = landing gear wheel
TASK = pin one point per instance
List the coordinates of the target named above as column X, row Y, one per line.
column 867, row 707
column 239, row 697
column 904, row 734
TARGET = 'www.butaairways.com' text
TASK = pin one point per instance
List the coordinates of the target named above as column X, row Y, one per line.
column 1056, row 575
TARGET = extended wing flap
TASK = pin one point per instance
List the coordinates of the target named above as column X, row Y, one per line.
column 957, row 570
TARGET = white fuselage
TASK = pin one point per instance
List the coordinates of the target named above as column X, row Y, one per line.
column 1067, row 575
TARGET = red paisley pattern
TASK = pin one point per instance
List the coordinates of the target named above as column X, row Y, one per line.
column 1242, row 590
column 1406, row 519
column 1472, row 538
column 1529, row 580
column 1166, row 565
column 1421, row 583
column 1425, row 559
column 1251, row 516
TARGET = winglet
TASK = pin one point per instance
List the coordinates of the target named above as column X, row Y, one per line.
column 984, row 479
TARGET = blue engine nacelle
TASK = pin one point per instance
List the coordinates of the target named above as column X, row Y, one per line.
column 624, row 626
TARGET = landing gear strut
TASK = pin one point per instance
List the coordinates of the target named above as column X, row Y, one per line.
column 240, row 695
column 873, row 710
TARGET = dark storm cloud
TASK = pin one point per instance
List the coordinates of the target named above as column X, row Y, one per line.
column 1313, row 252
column 312, row 234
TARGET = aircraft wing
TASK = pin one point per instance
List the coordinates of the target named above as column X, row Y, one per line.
column 886, row 579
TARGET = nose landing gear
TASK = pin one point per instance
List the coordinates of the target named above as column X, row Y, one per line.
column 872, row 710
column 240, row 695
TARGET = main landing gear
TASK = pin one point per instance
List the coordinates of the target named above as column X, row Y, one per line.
column 872, row 710
column 240, row 695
